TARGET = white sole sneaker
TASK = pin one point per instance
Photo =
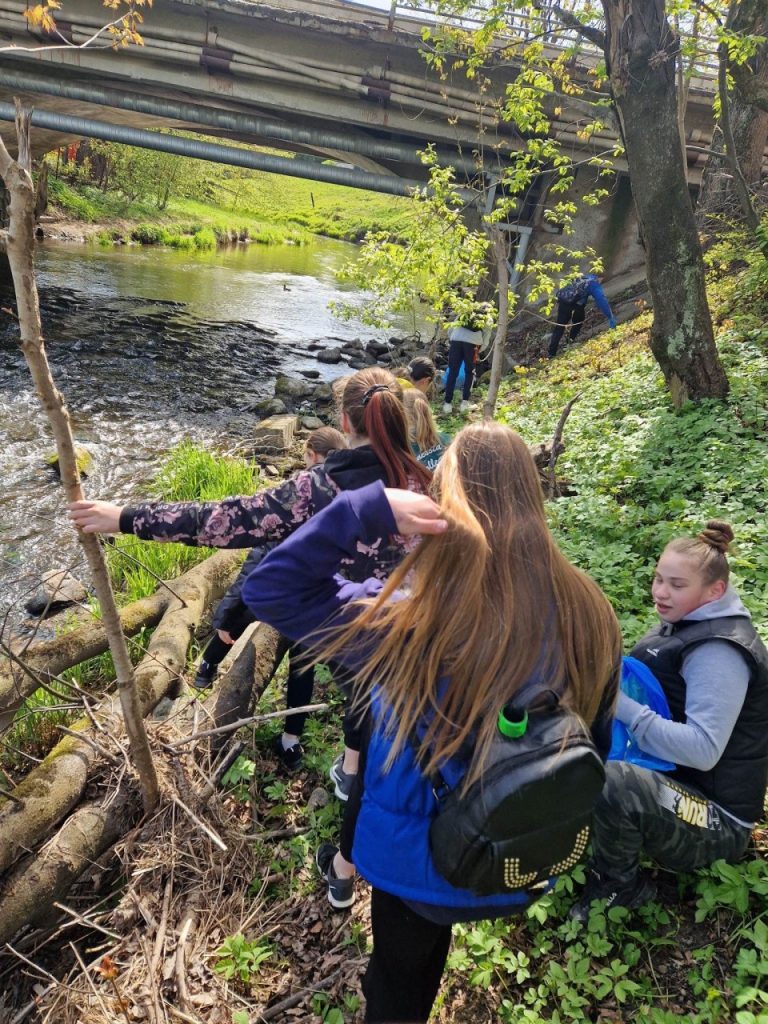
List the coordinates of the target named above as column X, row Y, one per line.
column 447, row 409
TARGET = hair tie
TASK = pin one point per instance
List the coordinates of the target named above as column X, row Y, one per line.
column 368, row 395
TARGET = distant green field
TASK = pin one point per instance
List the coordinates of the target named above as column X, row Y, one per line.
column 271, row 208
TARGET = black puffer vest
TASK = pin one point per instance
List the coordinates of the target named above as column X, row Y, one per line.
column 738, row 781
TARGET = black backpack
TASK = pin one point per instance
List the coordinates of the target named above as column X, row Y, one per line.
column 527, row 818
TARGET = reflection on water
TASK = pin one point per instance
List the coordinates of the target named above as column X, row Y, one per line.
column 149, row 346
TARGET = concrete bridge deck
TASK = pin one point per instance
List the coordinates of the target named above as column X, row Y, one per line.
column 341, row 80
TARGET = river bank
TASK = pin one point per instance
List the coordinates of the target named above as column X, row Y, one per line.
column 152, row 345
column 268, row 209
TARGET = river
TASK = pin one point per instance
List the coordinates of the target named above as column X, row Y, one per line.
column 148, row 346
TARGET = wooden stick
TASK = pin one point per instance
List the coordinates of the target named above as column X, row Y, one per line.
column 301, row 995
column 180, row 966
column 89, row 979
column 201, row 825
column 252, row 720
column 79, row 919
column 556, row 441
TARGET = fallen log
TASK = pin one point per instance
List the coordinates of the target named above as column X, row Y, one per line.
column 24, row 672
column 30, row 888
column 248, row 677
column 27, row 896
column 56, row 785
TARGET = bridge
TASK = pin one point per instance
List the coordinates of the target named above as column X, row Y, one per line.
column 343, row 87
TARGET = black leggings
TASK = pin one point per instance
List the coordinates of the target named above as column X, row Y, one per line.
column 407, row 962
column 299, row 685
column 458, row 352
column 409, row 952
column 567, row 312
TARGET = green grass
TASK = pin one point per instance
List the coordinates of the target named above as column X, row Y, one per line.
column 270, row 209
column 189, row 473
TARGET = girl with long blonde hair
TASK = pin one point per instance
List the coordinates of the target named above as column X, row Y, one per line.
column 427, row 443
column 485, row 605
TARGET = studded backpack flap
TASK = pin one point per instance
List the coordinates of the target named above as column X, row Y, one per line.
column 527, row 818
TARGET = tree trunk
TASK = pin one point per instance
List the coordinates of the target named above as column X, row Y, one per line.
column 640, row 54
column 20, row 678
column 751, row 78
column 30, row 887
column 241, row 687
column 20, row 247
column 500, row 340
column 27, row 896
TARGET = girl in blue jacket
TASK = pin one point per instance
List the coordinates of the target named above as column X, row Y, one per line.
column 491, row 603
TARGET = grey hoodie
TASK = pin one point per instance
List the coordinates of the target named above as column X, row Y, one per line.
column 716, row 678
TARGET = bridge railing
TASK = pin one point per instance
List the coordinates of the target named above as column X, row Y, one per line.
column 544, row 25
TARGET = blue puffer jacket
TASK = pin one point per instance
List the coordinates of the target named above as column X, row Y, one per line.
column 391, row 848
column 297, row 590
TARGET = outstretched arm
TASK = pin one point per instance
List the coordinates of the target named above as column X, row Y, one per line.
column 597, row 293
column 296, row 588
column 245, row 522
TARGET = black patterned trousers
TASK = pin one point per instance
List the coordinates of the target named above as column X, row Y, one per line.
column 641, row 811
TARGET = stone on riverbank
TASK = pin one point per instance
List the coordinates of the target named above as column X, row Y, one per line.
column 329, row 355
column 57, row 590
column 291, row 389
column 83, row 458
column 311, row 422
column 275, row 434
column 269, row 407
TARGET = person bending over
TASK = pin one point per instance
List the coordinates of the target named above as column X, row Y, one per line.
column 432, row 669
column 418, row 374
column 571, row 309
column 232, row 618
column 373, row 418
column 713, row 669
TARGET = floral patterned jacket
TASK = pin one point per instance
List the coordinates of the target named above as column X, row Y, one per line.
column 272, row 515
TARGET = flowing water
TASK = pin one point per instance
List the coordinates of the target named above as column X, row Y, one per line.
column 149, row 346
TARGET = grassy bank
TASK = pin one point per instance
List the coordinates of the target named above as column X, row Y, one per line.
column 642, row 472
column 266, row 208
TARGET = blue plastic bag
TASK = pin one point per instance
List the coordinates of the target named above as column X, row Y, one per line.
column 639, row 683
column 459, row 379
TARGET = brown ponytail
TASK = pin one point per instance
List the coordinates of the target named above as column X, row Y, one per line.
column 373, row 403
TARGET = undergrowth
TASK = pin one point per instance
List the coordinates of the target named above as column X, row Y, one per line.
column 642, row 472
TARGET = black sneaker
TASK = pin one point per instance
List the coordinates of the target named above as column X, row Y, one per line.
column 630, row 894
column 290, row 758
column 342, row 781
column 204, row 677
column 341, row 891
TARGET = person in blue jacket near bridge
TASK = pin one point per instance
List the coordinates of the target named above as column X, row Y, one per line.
column 572, row 302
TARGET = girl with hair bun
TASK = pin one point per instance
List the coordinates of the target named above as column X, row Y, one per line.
column 713, row 668
column 373, row 418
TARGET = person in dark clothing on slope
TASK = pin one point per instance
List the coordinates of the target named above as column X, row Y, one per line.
column 373, row 418
column 232, row 618
column 713, row 669
column 571, row 309
column 432, row 663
